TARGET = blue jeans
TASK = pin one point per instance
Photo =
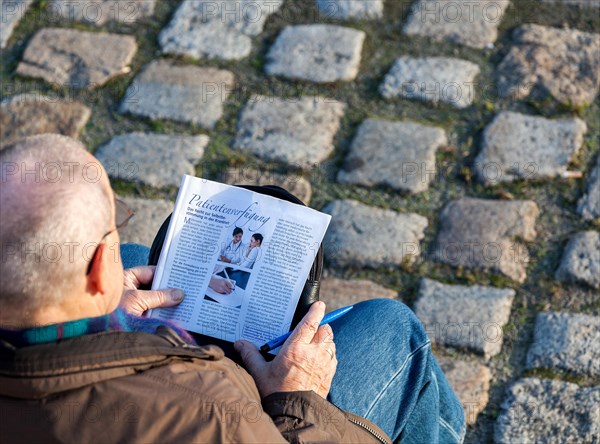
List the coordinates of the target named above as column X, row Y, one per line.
column 386, row 372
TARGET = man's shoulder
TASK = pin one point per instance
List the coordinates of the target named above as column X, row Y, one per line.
column 148, row 376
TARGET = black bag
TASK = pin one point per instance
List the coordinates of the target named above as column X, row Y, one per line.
column 310, row 292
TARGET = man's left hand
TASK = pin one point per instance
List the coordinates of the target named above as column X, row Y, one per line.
column 135, row 301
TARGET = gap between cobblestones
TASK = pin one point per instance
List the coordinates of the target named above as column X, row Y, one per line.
column 557, row 199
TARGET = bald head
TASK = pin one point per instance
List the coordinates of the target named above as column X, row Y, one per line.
column 55, row 200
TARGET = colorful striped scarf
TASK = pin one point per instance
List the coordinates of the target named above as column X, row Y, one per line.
column 118, row 320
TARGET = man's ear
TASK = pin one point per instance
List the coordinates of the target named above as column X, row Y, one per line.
column 99, row 271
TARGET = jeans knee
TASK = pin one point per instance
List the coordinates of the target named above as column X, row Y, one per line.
column 399, row 317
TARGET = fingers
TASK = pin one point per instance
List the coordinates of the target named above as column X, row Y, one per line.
column 230, row 283
column 324, row 341
column 329, row 369
column 307, row 360
column 162, row 298
column 324, row 334
column 305, row 331
column 329, row 362
column 136, row 302
column 251, row 356
column 224, row 287
column 330, row 351
column 142, row 275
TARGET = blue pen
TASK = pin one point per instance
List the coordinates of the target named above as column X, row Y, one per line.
column 277, row 342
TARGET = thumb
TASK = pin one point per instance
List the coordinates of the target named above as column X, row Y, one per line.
column 250, row 355
column 159, row 298
column 138, row 301
column 173, row 297
column 141, row 275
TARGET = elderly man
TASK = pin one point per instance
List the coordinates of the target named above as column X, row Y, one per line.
column 79, row 365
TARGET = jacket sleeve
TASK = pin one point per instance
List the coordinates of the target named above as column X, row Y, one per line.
column 307, row 417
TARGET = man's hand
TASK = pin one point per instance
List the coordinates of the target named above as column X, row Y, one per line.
column 306, row 360
column 222, row 285
column 136, row 302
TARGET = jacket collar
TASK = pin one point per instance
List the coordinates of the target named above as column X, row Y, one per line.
column 37, row 371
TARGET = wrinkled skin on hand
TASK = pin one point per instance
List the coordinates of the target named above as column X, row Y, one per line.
column 306, row 361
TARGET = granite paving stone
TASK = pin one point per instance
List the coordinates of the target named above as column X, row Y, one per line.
column 11, row 14
column 351, row 9
column 30, row 114
column 154, row 159
column 182, row 93
column 464, row 316
column 432, row 79
column 398, row 154
column 295, row 184
column 566, row 341
column 149, row 216
column 581, row 259
column 564, row 62
column 517, row 146
column 338, row 293
column 467, row 129
column 298, row 131
column 464, row 22
column 470, row 380
column 589, row 204
column 318, row 53
column 77, row 59
column 361, row 235
column 216, row 29
column 548, row 411
column 100, row 12
column 482, row 233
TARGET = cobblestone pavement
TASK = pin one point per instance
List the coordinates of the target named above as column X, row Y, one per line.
column 457, row 141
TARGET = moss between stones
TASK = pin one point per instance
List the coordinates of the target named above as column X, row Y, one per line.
column 385, row 42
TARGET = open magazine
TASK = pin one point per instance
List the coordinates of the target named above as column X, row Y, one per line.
column 240, row 257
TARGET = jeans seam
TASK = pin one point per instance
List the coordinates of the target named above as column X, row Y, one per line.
column 408, row 358
column 444, row 424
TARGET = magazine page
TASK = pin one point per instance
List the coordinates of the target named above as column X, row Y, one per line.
column 240, row 257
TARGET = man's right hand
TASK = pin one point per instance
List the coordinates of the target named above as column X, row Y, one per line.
column 306, row 360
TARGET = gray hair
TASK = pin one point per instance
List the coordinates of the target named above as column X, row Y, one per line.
column 53, row 205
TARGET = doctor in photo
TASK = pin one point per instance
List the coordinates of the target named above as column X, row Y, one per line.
column 232, row 252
